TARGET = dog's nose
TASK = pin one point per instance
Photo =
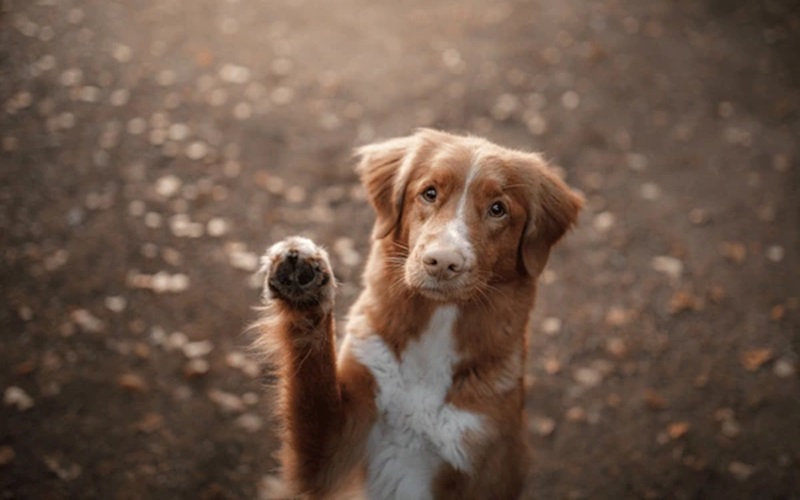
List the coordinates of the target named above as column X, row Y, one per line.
column 443, row 263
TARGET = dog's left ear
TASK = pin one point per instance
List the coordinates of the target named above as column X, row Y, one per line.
column 383, row 169
column 554, row 208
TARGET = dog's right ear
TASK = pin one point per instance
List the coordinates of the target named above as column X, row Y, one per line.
column 384, row 168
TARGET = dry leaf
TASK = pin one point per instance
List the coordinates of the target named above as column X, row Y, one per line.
column 753, row 359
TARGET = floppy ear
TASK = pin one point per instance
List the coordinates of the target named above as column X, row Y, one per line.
column 384, row 172
column 553, row 210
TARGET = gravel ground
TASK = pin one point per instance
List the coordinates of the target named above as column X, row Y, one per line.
column 151, row 149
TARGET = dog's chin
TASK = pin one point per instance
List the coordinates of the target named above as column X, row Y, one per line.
column 438, row 291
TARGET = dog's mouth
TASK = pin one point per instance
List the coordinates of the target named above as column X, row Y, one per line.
column 441, row 291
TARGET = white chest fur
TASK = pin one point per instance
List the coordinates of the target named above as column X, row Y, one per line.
column 416, row 430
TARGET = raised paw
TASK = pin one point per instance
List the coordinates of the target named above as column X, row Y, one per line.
column 298, row 272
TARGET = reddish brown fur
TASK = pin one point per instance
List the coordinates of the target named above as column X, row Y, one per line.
column 329, row 409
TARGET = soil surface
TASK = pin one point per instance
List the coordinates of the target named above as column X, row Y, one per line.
column 152, row 149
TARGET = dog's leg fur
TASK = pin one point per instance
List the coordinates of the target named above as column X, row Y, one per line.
column 326, row 410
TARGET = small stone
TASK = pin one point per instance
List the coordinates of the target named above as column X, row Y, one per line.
column 777, row 312
column 249, row 422
column 168, row 186
column 153, row 220
column 7, row 455
column 196, row 368
column 588, row 377
column 66, row 120
column 670, row 266
column 197, row 349
column 157, row 136
column 217, row 227
column 250, row 398
column 570, row 100
column 137, row 208
column 228, row 402
column 71, row 77
column 232, row 73
column 87, row 322
column 122, row 53
column 242, row 111
column 676, row 430
column 235, row 359
column 542, row 426
column 505, row 106
column 242, row 259
column 176, row 340
column 753, row 359
column 89, row 93
column 232, row 169
column 132, row 382
column 775, row 253
column 551, row 325
column 166, row 77
column 136, row 126
column 178, row 132
column 650, row 191
column 784, row 368
column 197, row 150
column 537, row 124
column 17, row 398
column 603, row 221
column 295, row 194
column 116, row 303
column 740, row 470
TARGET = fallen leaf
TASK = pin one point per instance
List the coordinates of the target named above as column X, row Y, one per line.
column 677, row 430
column 753, row 359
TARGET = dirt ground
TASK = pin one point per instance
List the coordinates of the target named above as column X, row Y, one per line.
column 152, row 149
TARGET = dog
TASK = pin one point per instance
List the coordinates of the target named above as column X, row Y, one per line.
column 425, row 397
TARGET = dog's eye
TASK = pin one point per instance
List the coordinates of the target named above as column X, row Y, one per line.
column 497, row 209
column 429, row 194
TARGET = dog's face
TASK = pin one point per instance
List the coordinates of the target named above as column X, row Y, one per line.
column 461, row 215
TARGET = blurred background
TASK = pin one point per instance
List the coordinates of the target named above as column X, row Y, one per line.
column 152, row 149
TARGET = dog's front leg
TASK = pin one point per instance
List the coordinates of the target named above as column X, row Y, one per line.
column 322, row 410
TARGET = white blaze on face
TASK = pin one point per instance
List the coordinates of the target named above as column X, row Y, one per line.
column 455, row 233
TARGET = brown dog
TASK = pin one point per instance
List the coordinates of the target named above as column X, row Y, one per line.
column 425, row 397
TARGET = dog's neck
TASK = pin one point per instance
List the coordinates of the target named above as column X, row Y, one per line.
column 489, row 325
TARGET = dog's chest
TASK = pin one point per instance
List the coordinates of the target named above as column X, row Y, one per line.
column 417, row 430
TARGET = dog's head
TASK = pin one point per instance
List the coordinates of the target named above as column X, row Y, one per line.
column 462, row 213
